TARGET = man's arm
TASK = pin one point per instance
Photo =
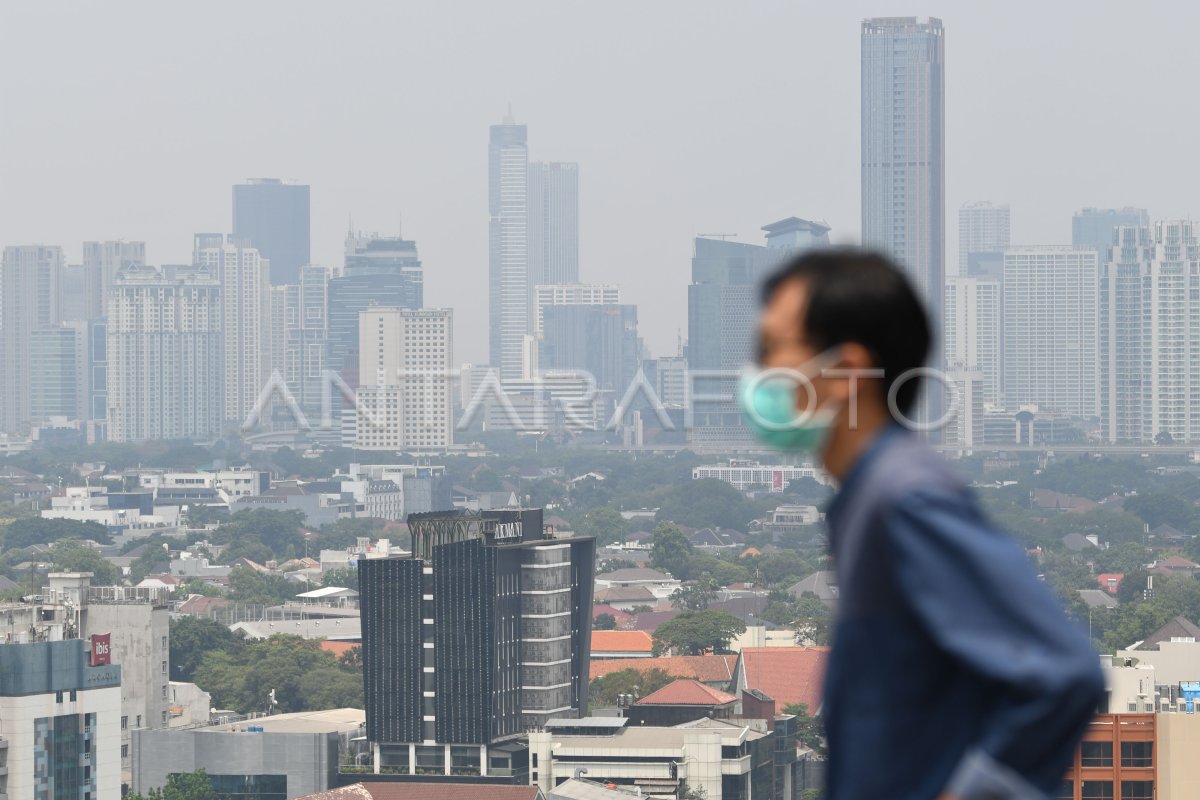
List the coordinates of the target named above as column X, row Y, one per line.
column 973, row 589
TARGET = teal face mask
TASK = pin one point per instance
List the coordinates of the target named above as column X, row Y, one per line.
column 768, row 402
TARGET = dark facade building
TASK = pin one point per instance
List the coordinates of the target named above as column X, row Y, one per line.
column 273, row 217
column 599, row 339
column 476, row 638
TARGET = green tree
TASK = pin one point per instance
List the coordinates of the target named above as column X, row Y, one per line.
column 303, row 676
column 694, row 595
column 706, row 503
column 247, row 585
column 809, row 730
column 344, row 577
column 604, row 622
column 605, row 690
column 72, row 555
column 35, row 530
column 194, row 637
column 698, row 632
column 181, row 786
column 1159, row 509
column 670, row 550
column 1123, row 558
column 606, row 524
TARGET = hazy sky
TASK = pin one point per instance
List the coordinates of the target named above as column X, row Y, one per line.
column 133, row 119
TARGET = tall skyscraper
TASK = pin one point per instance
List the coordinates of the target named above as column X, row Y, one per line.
column 404, row 372
column 30, row 297
column 903, row 149
column 58, row 372
column 305, row 338
column 246, row 299
column 553, row 222
column 972, row 332
column 723, row 306
column 600, row 340
column 1051, row 357
column 273, row 217
column 571, row 294
column 1094, row 228
column 509, row 288
column 983, row 231
column 476, row 638
column 101, row 263
column 379, row 270
column 165, row 355
column 1150, row 334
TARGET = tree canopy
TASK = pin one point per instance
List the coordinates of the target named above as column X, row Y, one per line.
column 698, row 632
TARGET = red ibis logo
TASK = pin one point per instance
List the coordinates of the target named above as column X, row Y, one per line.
column 101, row 649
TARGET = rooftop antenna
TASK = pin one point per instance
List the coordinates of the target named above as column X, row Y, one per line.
column 508, row 117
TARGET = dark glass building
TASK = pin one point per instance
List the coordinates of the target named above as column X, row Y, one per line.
column 599, row 339
column 476, row 638
column 379, row 271
column 273, row 217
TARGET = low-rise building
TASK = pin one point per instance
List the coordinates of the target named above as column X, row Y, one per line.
column 660, row 584
column 277, row 757
column 743, row 474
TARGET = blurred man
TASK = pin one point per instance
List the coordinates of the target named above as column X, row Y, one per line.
column 954, row 672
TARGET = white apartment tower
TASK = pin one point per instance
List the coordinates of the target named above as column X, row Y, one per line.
column 972, row 331
column 30, row 298
column 404, row 368
column 165, row 355
column 245, row 285
column 982, row 228
column 1050, row 329
column 1150, row 334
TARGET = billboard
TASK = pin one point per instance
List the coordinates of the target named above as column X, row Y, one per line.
column 101, row 649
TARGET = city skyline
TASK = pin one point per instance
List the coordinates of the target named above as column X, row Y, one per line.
column 720, row 174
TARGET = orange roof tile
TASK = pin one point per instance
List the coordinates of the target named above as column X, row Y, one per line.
column 622, row 642
column 708, row 669
column 338, row 648
column 687, row 692
column 787, row 674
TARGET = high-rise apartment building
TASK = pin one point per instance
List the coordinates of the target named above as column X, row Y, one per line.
column 101, row 263
column 903, row 148
column 983, row 231
column 598, row 340
column 571, row 294
column 972, row 332
column 273, row 217
column 553, row 222
column 302, row 339
column 165, row 355
column 723, row 306
column 379, row 271
column 1050, row 329
column 509, row 292
column 404, row 393
column 476, row 638
column 246, row 304
column 1094, row 228
column 30, row 297
column 59, row 372
column 1150, row 334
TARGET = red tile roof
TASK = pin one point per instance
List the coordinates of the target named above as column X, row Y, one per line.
column 338, row 648
column 621, row 642
column 708, row 669
column 787, row 674
column 1114, row 577
column 427, row 791
column 687, row 692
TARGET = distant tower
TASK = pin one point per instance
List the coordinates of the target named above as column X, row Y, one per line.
column 509, row 289
column 273, row 217
column 983, row 236
column 30, row 295
column 553, row 223
column 904, row 157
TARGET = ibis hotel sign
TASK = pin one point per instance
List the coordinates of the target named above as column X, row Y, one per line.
column 101, row 649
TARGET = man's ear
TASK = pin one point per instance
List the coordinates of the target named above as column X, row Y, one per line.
column 853, row 355
column 855, row 359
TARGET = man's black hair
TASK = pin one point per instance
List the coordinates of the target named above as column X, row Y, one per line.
column 860, row 296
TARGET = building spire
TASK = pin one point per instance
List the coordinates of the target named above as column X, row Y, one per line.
column 508, row 117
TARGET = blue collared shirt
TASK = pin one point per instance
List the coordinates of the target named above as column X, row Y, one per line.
column 953, row 667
